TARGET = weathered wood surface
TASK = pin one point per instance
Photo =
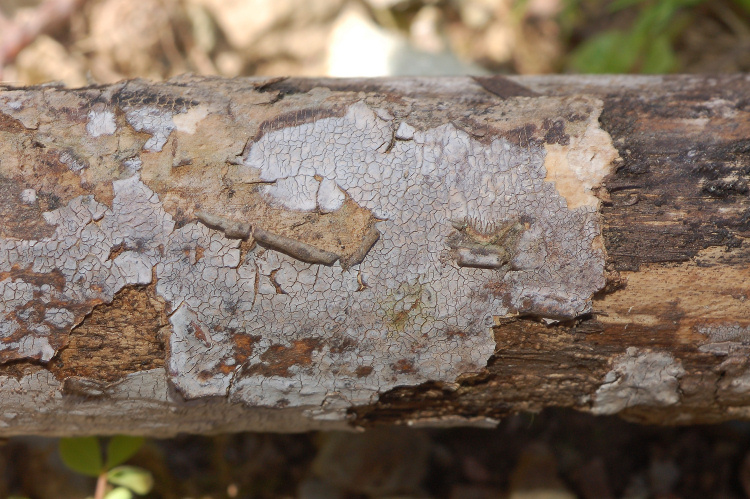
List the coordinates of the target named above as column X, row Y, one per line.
column 212, row 255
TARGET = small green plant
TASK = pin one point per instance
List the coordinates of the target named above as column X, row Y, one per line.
column 84, row 455
column 647, row 46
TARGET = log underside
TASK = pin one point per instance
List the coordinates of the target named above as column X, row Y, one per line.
column 657, row 332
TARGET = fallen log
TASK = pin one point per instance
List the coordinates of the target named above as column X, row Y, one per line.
column 208, row 255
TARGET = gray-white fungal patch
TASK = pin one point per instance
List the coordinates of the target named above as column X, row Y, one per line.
column 724, row 338
column 195, row 358
column 134, row 267
column 133, row 165
column 211, row 299
column 639, row 377
column 440, row 175
column 28, row 196
column 733, row 332
column 187, row 120
column 49, row 285
column 306, row 193
column 75, row 164
column 295, row 193
column 405, row 131
column 101, row 123
column 330, row 197
column 318, row 335
column 145, row 398
column 290, row 325
column 153, row 120
column 14, row 105
column 738, row 384
column 59, row 317
column 35, row 394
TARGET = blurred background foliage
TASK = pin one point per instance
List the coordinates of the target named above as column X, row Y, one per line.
column 84, row 41
column 648, row 42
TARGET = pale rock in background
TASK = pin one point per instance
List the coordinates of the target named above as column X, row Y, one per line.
column 47, row 60
column 360, row 48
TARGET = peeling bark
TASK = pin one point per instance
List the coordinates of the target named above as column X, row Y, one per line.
column 209, row 255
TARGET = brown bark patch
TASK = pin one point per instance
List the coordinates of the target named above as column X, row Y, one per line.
column 403, row 366
column 55, row 279
column 23, row 220
column 342, row 232
column 674, row 299
column 343, row 345
column 116, row 339
column 32, row 314
column 279, row 358
column 243, row 346
column 296, row 118
column 555, row 132
column 20, row 368
column 683, row 182
column 10, row 124
column 199, row 333
column 503, row 87
column 45, row 168
column 144, row 95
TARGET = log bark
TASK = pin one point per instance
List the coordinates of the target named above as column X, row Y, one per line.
column 208, row 255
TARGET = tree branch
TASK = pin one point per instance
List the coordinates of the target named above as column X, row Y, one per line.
column 211, row 255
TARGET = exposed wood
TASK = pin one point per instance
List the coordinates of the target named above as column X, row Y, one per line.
column 212, row 255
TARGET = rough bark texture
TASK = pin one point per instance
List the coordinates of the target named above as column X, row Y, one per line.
column 211, row 255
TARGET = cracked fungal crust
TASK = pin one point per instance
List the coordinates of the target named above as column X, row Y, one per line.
column 639, row 378
column 310, row 258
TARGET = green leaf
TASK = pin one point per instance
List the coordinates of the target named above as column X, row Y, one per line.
column 618, row 5
column 659, row 57
column 82, row 455
column 609, row 52
column 662, row 13
column 136, row 479
column 745, row 4
column 119, row 493
column 121, row 448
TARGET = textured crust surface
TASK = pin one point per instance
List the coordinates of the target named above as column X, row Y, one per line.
column 300, row 249
column 211, row 255
column 666, row 341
